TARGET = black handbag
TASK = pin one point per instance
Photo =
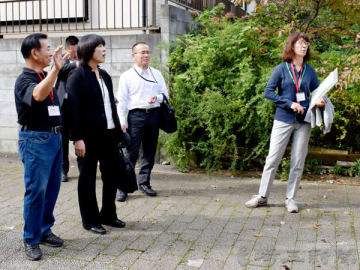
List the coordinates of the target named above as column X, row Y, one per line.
column 127, row 178
column 167, row 119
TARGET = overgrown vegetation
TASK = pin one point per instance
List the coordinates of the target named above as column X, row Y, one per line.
column 219, row 71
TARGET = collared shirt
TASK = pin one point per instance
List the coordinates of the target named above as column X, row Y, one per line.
column 286, row 95
column 33, row 114
column 107, row 104
column 136, row 87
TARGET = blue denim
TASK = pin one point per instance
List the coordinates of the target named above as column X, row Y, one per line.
column 41, row 154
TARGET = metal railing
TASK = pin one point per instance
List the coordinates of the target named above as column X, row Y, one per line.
column 195, row 4
column 209, row 4
column 24, row 16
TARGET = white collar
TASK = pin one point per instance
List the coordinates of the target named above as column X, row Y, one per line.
column 140, row 70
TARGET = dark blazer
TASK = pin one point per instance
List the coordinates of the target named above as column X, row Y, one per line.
column 87, row 105
column 62, row 78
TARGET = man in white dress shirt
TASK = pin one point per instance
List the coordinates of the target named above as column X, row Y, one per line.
column 141, row 90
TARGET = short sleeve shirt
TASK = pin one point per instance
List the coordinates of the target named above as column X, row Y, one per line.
column 34, row 114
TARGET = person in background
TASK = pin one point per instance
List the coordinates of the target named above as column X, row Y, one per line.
column 71, row 46
column 96, row 131
column 140, row 93
column 40, row 147
column 295, row 80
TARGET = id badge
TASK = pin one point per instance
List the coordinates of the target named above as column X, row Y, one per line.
column 300, row 97
column 54, row 110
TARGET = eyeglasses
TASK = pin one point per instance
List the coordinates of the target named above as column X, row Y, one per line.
column 142, row 52
column 303, row 43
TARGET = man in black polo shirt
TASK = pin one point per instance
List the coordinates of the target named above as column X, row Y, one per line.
column 40, row 146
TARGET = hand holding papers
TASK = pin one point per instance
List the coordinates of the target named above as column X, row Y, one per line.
column 324, row 87
column 314, row 115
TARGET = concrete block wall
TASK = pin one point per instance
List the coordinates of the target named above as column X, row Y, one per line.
column 173, row 21
column 118, row 59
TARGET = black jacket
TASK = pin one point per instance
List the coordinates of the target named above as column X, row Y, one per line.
column 87, row 109
column 62, row 78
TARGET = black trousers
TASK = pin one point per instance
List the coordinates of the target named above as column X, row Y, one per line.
column 102, row 148
column 144, row 130
column 65, row 136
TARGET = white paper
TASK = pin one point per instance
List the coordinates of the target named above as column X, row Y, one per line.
column 324, row 87
column 321, row 91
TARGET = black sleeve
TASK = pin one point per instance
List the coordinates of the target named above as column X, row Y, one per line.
column 24, row 90
column 75, row 86
column 64, row 72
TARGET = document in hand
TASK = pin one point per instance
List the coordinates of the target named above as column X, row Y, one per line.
column 324, row 87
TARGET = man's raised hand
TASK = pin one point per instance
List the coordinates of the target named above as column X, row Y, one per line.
column 58, row 59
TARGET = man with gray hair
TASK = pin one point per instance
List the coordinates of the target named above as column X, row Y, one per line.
column 140, row 93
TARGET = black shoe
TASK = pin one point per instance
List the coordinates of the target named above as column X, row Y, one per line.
column 52, row 241
column 95, row 229
column 33, row 252
column 121, row 196
column 64, row 177
column 147, row 190
column 117, row 223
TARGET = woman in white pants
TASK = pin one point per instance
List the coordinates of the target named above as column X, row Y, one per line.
column 295, row 80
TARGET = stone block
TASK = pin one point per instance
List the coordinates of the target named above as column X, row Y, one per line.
column 8, row 120
column 152, row 40
column 19, row 58
column 8, row 146
column 8, row 133
column 121, row 55
column 181, row 28
column 123, row 41
column 7, row 95
column 12, row 70
column 118, row 68
column 7, row 108
column 7, row 57
column 7, row 83
column 8, row 45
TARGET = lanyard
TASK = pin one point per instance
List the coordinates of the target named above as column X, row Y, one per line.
column 145, row 78
column 41, row 78
column 293, row 76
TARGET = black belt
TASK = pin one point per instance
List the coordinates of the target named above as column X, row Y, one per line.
column 145, row 110
column 56, row 130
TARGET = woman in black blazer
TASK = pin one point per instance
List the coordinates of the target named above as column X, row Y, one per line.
column 95, row 129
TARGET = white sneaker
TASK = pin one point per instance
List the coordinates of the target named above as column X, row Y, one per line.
column 256, row 201
column 291, row 206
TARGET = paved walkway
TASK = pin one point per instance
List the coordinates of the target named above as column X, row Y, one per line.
column 197, row 221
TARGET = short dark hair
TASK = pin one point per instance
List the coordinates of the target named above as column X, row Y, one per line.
column 71, row 41
column 31, row 42
column 87, row 45
column 289, row 53
column 138, row 43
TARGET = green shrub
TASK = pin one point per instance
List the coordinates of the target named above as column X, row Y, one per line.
column 218, row 74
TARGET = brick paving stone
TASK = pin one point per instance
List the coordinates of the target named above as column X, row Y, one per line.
column 254, row 267
column 204, row 220
column 142, row 243
column 179, row 248
column 189, row 235
column 154, row 252
column 168, row 261
column 141, row 264
column 212, row 264
column 219, row 252
column 127, row 258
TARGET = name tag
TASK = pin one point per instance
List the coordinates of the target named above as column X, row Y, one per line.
column 300, row 97
column 54, row 110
